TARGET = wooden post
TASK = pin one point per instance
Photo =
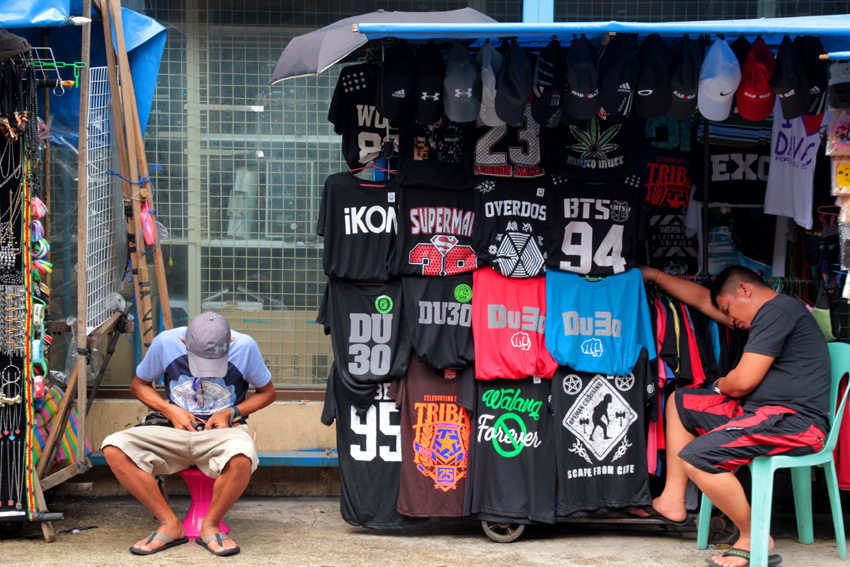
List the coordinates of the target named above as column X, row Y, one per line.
column 41, row 506
column 58, row 431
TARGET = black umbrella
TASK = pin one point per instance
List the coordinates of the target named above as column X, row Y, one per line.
column 313, row 52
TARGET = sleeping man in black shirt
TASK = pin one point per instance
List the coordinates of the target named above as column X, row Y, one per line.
column 775, row 401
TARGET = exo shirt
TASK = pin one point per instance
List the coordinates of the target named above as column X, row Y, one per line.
column 510, row 226
column 508, row 322
column 597, row 326
column 436, row 155
column 595, row 229
column 438, row 314
column 509, row 151
column 167, row 355
column 600, row 438
column 359, row 223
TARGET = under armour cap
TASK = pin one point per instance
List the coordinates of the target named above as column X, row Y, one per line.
column 618, row 73
column 489, row 63
column 653, row 83
column 790, row 82
column 718, row 80
column 395, row 82
column 838, row 93
column 462, row 86
column 513, row 85
column 755, row 97
column 817, row 71
column 208, row 343
column 582, row 80
column 547, row 85
column 428, row 88
column 684, row 80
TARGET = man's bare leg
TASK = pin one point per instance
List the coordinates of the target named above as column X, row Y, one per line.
column 229, row 486
column 144, row 487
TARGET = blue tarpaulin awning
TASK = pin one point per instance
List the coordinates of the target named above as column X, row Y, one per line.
column 34, row 13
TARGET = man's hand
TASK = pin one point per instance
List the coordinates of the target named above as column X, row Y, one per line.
column 220, row 420
column 180, row 418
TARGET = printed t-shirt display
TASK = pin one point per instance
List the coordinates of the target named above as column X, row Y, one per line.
column 438, row 314
column 512, row 450
column 436, row 155
column 435, row 232
column 509, row 151
column 369, row 450
column 597, row 326
column 359, row 223
column 368, row 335
column 595, row 229
column 435, row 441
column 353, row 114
column 510, row 226
column 600, row 438
column 508, row 322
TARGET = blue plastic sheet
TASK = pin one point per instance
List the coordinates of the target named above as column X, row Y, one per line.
column 29, row 13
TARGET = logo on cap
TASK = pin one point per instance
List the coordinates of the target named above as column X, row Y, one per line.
column 400, row 94
column 786, row 95
column 426, row 96
column 459, row 93
column 726, row 94
column 645, row 92
column 624, row 88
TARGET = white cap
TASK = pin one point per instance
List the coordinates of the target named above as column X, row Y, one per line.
column 489, row 62
column 718, row 80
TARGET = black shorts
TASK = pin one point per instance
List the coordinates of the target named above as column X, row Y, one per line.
column 730, row 433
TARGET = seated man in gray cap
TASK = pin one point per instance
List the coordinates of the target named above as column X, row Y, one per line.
column 208, row 369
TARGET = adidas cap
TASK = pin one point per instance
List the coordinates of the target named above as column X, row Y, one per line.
column 618, row 72
column 817, row 71
column 395, row 82
column 547, row 85
column 462, row 86
column 718, row 80
column 428, row 88
column 489, row 63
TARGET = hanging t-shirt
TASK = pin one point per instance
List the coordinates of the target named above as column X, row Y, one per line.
column 436, row 155
column 435, row 441
column 360, row 224
column 790, row 183
column 353, row 114
column 508, row 322
column 435, row 232
column 369, row 450
column 666, row 177
column 597, row 326
column 368, row 336
column 438, row 314
column 512, row 451
column 668, row 246
column 510, row 226
column 595, row 228
column 600, row 438
column 509, row 151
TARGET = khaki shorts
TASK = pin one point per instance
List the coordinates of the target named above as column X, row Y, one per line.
column 164, row 450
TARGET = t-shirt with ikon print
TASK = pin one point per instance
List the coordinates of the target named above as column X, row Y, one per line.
column 359, row 222
column 353, row 114
column 511, row 225
column 600, row 438
column 509, row 151
column 436, row 155
column 508, row 322
column 435, row 232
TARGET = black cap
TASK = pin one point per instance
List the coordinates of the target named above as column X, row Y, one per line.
column 653, row 82
column 513, row 85
column 789, row 81
column 684, row 80
column 618, row 72
column 428, row 87
column 582, row 80
column 817, row 71
column 395, row 81
column 547, row 85
column 739, row 47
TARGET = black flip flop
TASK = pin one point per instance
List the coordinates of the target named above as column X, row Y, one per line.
column 772, row 560
column 165, row 538
column 655, row 514
column 219, row 539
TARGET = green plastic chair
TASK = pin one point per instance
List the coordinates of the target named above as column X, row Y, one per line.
column 762, row 469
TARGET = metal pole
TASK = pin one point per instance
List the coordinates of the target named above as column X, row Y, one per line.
column 706, row 176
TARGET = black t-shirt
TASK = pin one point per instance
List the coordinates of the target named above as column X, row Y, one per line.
column 439, row 155
column 600, row 439
column 511, row 225
column 353, row 114
column 668, row 247
column 509, row 151
column 800, row 375
column 438, row 314
column 369, row 450
column 360, row 224
column 435, row 232
column 595, row 229
column 512, row 450
column 594, row 150
column 367, row 334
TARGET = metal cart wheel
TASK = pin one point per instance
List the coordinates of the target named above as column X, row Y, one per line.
column 10, row 530
column 721, row 530
column 502, row 533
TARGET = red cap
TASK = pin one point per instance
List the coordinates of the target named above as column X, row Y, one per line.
column 755, row 96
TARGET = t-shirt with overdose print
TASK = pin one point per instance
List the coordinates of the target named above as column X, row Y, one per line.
column 167, row 354
column 512, row 450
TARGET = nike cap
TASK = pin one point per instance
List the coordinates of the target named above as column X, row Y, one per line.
column 489, row 63
column 513, row 85
column 582, row 80
column 653, row 84
column 838, row 93
column 462, row 86
column 817, row 71
column 618, row 77
column 547, row 85
column 790, row 82
column 755, row 96
column 208, row 344
column 718, row 80
column 428, row 88
column 395, row 82
column 684, row 80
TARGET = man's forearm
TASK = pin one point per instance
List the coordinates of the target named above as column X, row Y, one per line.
column 145, row 393
column 689, row 293
column 263, row 397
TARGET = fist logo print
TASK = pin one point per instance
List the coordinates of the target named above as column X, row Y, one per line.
column 521, row 340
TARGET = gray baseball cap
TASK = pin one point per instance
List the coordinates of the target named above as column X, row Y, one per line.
column 513, row 85
column 208, row 344
column 461, row 86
